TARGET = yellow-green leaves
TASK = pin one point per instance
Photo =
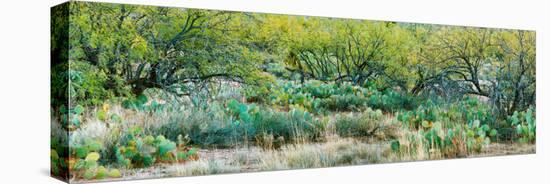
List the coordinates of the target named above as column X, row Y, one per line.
column 114, row 173
column 138, row 47
column 93, row 156
column 53, row 155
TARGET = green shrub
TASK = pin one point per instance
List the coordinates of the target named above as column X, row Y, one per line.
column 216, row 127
column 293, row 126
column 237, row 123
column 356, row 125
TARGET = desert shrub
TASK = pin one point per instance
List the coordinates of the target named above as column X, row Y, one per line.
column 359, row 124
column 260, row 121
column 217, row 127
column 260, row 93
column 240, row 123
column 293, row 126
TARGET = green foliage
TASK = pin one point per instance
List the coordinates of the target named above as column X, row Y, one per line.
column 239, row 122
column 390, row 100
column 114, row 64
column 319, row 97
column 145, row 150
column 84, row 162
column 395, row 146
column 58, row 164
column 467, row 111
column 71, row 118
column 525, row 125
column 422, row 117
column 295, row 125
column 144, row 104
column 87, row 84
column 247, row 78
column 359, row 125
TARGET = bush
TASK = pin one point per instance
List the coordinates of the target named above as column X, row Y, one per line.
column 293, row 126
column 356, row 125
column 216, row 126
column 239, row 123
column 344, row 103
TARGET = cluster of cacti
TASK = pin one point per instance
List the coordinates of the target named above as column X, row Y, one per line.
column 389, row 100
column 344, row 103
column 301, row 100
column 71, row 118
column 58, row 156
column 470, row 138
column 105, row 115
column 422, row 117
column 458, row 141
column 142, row 103
column 145, row 150
column 478, row 135
column 466, row 111
column 83, row 162
column 320, row 98
column 525, row 126
column 471, row 109
column 58, row 164
column 242, row 112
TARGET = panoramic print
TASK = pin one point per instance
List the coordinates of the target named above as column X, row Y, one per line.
column 141, row 92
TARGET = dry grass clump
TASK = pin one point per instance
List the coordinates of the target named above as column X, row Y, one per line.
column 205, row 167
column 335, row 152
